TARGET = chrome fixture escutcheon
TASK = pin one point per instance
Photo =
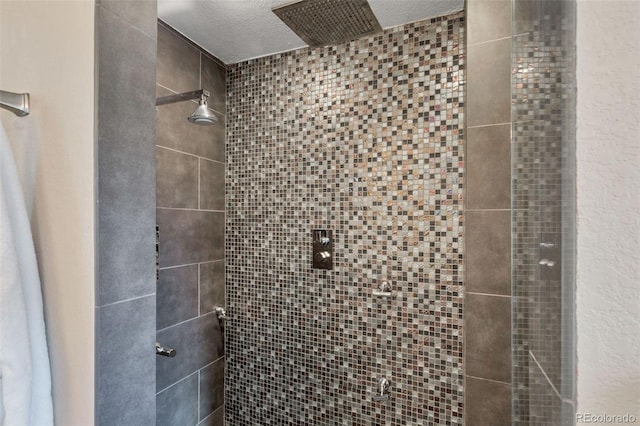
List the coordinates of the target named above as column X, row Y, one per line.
column 220, row 313
column 383, row 390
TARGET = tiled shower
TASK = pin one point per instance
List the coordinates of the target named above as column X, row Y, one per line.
column 335, row 138
column 190, row 200
column 409, row 146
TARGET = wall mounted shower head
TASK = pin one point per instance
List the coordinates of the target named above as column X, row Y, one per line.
column 202, row 115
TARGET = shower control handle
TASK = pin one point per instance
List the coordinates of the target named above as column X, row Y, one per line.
column 383, row 383
column 322, row 251
column 383, row 390
column 323, row 256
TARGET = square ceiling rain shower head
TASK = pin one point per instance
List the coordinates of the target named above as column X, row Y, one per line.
column 326, row 22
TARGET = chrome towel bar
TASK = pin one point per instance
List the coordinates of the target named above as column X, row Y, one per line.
column 17, row 103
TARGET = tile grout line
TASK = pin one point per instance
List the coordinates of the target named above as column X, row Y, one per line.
column 166, row 88
column 489, row 41
column 488, row 380
column 176, row 382
column 212, row 413
column 544, row 373
column 480, row 126
column 487, row 210
column 190, row 264
column 190, row 210
column 488, row 294
column 184, row 322
column 125, row 300
column 190, row 154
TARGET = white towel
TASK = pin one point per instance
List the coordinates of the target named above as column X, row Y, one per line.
column 25, row 376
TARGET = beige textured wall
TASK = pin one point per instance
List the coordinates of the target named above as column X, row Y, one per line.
column 47, row 49
column 608, row 153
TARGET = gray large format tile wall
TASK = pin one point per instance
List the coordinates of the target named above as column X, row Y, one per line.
column 190, row 212
column 125, row 236
column 366, row 139
column 488, row 214
column 543, row 176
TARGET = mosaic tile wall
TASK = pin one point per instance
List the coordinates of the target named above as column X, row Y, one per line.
column 543, row 215
column 364, row 138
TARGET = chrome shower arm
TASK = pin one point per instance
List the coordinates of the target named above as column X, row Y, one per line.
column 17, row 103
column 181, row 97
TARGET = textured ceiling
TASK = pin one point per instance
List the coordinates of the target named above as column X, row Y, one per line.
column 236, row 30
